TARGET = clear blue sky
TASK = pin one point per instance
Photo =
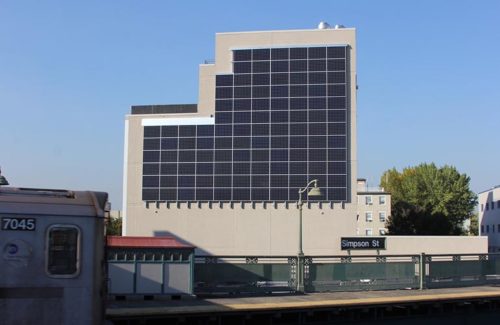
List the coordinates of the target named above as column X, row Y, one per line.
column 428, row 71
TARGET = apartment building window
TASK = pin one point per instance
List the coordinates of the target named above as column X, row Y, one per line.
column 492, row 205
column 381, row 231
column 368, row 200
column 381, row 199
column 487, row 229
column 487, row 206
column 498, row 228
column 381, row 216
column 498, row 204
column 368, row 231
column 369, row 216
column 482, row 207
column 482, row 229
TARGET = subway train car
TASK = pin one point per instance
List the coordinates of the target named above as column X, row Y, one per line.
column 52, row 264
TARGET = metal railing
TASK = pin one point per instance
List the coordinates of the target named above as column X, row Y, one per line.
column 351, row 273
column 271, row 274
column 244, row 274
column 444, row 271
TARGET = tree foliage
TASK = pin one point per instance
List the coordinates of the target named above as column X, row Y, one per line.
column 474, row 225
column 114, row 226
column 427, row 200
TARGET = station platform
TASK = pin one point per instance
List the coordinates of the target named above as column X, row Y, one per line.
column 312, row 308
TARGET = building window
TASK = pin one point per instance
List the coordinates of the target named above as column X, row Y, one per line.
column 368, row 231
column 498, row 204
column 368, row 200
column 381, row 216
column 381, row 199
column 498, row 228
column 482, row 207
column 487, row 206
column 482, row 229
column 492, row 205
column 381, row 231
column 369, row 216
column 487, row 229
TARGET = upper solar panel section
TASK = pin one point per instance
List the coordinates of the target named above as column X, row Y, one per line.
column 281, row 120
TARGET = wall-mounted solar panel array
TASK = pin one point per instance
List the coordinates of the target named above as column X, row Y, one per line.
column 281, row 120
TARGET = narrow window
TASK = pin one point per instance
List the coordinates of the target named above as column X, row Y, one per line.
column 63, row 249
column 482, row 229
column 368, row 200
column 368, row 232
column 369, row 216
column 487, row 206
column 381, row 200
column 482, row 207
column 487, row 229
column 381, row 216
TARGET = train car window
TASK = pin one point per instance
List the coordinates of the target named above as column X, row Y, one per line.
column 63, row 250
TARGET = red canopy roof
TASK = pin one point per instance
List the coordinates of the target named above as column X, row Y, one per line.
column 145, row 242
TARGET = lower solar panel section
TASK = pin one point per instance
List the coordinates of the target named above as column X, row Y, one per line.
column 237, row 194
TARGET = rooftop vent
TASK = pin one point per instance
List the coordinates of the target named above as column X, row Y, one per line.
column 323, row 25
column 338, row 26
column 3, row 180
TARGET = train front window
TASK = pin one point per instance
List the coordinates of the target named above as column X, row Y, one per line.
column 63, row 249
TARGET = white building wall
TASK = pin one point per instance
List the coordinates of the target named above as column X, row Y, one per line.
column 489, row 217
column 374, row 202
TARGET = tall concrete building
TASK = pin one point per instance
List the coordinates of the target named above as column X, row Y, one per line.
column 276, row 110
column 489, row 217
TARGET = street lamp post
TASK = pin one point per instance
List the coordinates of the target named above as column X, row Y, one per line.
column 315, row 191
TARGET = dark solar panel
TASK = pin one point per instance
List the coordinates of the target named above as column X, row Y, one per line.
column 280, row 121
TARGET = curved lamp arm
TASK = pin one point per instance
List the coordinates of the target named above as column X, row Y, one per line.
column 302, row 190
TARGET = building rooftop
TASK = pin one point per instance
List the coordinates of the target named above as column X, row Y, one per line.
column 490, row 189
column 145, row 242
column 290, row 30
column 164, row 109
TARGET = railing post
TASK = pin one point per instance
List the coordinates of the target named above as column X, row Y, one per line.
column 300, row 273
column 422, row 271
column 191, row 272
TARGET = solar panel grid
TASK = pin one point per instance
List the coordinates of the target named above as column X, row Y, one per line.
column 280, row 121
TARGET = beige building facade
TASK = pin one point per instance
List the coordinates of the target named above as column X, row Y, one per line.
column 276, row 110
column 285, row 69
column 374, row 209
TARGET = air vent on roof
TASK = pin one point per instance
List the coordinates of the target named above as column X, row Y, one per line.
column 323, row 25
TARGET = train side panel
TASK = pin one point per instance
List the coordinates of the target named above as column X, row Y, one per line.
column 52, row 257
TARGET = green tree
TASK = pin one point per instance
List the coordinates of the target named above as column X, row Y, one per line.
column 474, row 225
column 114, row 226
column 427, row 200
